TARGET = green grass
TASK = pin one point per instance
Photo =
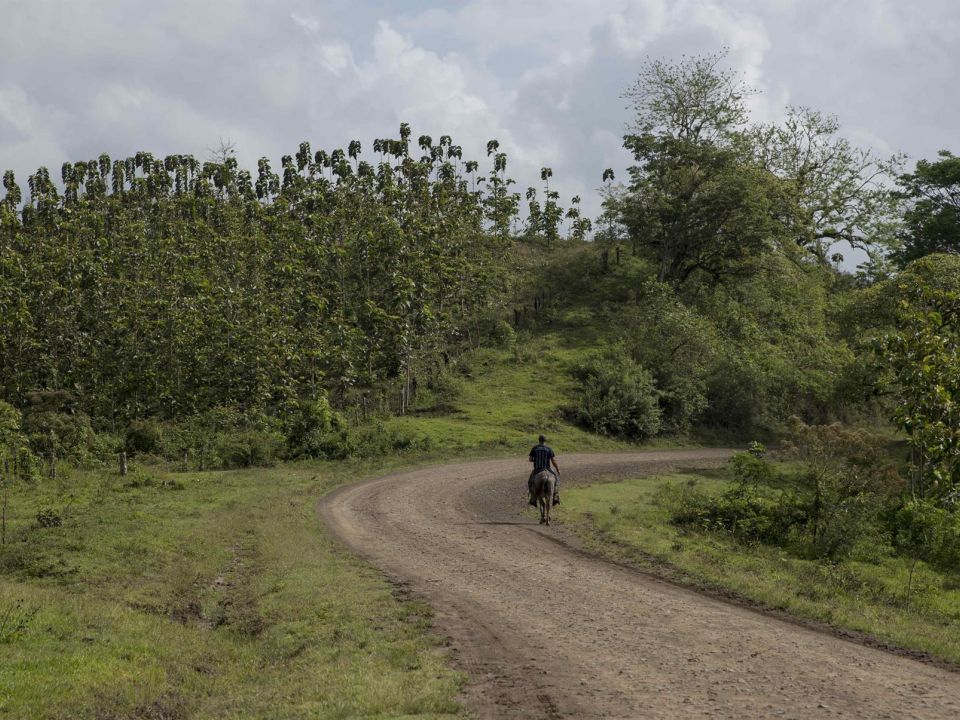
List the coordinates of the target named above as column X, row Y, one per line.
column 630, row 521
column 204, row 595
column 509, row 396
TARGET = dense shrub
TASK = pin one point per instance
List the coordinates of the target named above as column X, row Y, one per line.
column 11, row 436
column 310, row 430
column 744, row 512
column 837, row 530
column 143, row 436
column 924, row 531
column 55, row 427
column 734, row 397
column 815, row 513
column 223, row 437
column 438, row 393
column 373, row 440
column 617, row 397
column 248, row 448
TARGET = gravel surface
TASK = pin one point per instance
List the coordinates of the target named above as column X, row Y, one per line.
column 544, row 630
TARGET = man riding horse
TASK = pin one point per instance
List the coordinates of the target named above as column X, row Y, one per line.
column 542, row 456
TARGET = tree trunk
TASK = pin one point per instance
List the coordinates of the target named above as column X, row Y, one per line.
column 123, row 464
column 53, row 462
column 910, row 579
column 5, row 478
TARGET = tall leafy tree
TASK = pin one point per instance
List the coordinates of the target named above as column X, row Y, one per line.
column 833, row 191
column 697, row 201
column 932, row 217
column 921, row 360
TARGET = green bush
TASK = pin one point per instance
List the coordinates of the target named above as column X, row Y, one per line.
column 438, row 393
column 11, row 436
column 104, row 448
column 14, row 451
column 749, row 469
column 835, row 531
column 734, row 397
column 248, row 448
column 924, row 531
column 143, row 436
column 54, row 426
column 28, row 465
column 309, row 431
column 49, row 518
column 617, row 397
column 811, row 523
column 745, row 513
column 683, row 401
column 221, row 438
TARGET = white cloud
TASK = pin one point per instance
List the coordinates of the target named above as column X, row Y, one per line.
column 28, row 138
column 309, row 23
column 335, row 57
column 632, row 28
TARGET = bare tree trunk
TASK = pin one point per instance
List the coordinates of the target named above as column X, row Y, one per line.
column 913, row 472
column 123, row 464
column 910, row 579
column 5, row 477
column 53, row 461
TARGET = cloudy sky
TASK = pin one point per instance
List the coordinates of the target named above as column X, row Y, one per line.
column 81, row 77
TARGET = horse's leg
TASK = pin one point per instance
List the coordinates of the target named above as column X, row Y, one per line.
column 543, row 509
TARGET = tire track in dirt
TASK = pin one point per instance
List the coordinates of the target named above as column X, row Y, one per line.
column 546, row 631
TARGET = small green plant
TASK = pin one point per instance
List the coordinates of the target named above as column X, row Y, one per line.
column 15, row 619
column 143, row 436
column 49, row 518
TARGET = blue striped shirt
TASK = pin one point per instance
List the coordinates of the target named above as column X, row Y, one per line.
column 541, row 456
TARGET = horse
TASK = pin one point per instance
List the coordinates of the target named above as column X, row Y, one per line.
column 543, row 486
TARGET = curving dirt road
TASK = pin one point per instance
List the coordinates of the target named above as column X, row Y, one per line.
column 546, row 631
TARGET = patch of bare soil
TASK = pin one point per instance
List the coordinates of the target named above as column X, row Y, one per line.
column 546, row 631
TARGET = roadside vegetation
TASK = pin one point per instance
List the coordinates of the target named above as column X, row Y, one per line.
column 191, row 353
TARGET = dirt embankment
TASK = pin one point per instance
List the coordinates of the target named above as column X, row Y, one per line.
column 546, row 631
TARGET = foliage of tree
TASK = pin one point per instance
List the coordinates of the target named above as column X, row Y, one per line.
column 166, row 286
column 832, row 191
column 932, row 217
column 696, row 200
column 709, row 191
column 921, row 368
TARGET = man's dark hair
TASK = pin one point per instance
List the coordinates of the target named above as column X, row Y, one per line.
column 543, row 438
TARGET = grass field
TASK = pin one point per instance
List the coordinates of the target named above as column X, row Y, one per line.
column 205, row 595
column 630, row 521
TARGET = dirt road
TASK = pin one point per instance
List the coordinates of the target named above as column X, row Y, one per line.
column 545, row 631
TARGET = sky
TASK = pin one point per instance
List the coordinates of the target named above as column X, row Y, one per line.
column 544, row 77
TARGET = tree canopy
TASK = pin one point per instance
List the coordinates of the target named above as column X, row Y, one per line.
column 932, row 217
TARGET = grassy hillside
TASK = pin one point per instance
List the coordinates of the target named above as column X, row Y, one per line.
column 505, row 397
